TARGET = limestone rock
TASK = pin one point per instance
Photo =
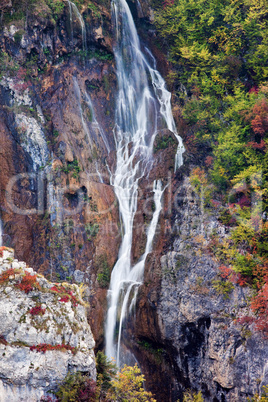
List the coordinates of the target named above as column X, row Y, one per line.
column 25, row 372
column 211, row 351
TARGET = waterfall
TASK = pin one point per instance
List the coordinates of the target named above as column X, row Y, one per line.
column 142, row 106
column 73, row 11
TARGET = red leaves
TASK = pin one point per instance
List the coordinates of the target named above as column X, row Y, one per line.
column 257, row 145
column 37, row 311
column 245, row 320
column 225, row 272
column 254, row 90
column 46, row 399
column 209, row 161
column 88, row 392
column 229, row 274
column 44, row 347
column 65, row 299
column 28, row 283
column 66, row 295
column 259, row 305
column 167, row 3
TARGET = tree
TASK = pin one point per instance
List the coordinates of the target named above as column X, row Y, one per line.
column 128, row 386
column 106, row 372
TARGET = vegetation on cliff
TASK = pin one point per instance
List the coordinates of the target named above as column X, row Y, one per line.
column 218, row 51
column 123, row 386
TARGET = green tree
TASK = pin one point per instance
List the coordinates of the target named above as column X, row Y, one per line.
column 128, row 386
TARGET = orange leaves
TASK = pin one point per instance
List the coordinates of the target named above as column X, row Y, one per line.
column 1, row 251
column 4, row 277
column 259, row 123
column 259, row 305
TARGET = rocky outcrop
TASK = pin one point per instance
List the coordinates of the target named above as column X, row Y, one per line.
column 186, row 333
column 44, row 332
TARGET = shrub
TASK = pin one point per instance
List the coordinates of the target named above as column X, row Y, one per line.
column 260, row 398
column 44, row 347
column 37, row 311
column 103, row 276
column 77, row 387
column 28, row 283
column 192, row 397
column 66, row 294
column 223, row 287
column 4, row 277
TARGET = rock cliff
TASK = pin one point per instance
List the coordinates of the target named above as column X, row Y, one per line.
column 57, row 91
column 44, row 332
column 186, row 332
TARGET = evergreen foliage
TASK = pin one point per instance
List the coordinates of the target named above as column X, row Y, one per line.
column 218, row 51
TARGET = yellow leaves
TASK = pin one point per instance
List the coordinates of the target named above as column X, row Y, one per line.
column 222, row 172
column 128, row 386
column 216, row 77
column 196, row 53
column 246, row 174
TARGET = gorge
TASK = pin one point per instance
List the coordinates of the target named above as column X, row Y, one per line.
column 107, row 180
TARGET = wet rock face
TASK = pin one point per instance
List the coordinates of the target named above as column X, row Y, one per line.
column 39, row 315
column 56, row 109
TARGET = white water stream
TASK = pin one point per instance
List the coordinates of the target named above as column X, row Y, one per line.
column 143, row 106
column 75, row 14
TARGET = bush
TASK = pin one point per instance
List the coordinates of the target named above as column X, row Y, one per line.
column 28, row 283
column 193, row 397
column 77, row 387
column 37, row 311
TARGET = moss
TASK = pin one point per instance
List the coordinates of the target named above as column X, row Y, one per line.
column 162, row 142
column 181, row 262
column 103, row 276
column 154, row 350
column 223, row 287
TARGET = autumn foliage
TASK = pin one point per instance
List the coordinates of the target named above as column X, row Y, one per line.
column 44, row 347
column 37, row 311
column 66, row 294
column 28, row 283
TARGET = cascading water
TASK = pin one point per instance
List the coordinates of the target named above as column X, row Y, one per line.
column 74, row 13
column 139, row 109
